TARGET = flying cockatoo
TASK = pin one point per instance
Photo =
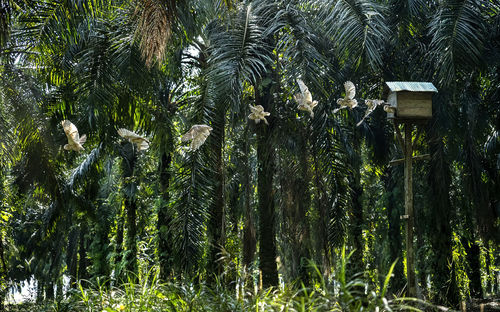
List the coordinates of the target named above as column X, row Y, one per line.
column 141, row 142
column 348, row 101
column 198, row 134
column 258, row 114
column 371, row 105
column 304, row 98
column 75, row 141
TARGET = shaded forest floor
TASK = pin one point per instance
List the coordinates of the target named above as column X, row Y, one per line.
column 476, row 305
column 484, row 305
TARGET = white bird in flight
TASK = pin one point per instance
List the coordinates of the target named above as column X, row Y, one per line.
column 197, row 134
column 258, row 114
column 348, row 101
column 371, row 105
column 304, row 98
column 75, row 142
column 141, row 142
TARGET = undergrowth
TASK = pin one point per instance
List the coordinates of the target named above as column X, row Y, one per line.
column 148, row 294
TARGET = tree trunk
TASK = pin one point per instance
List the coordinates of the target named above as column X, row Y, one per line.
column 321, row 237
column 440, row 234
column 165, row 238
column 39, row 291
column 394, row 231
column 296, row 200
column 249, row 233
column 119, row 245
column 3, row 265
column 59, row 290
column 216, row 226
column 72, row 256
column 473, row 254
column 265, row 161
column 100, row 250
column 129, row 159
column 49, row 291
column 357, row 207
column 3, row 268
column 82, row 251
column 130, row 256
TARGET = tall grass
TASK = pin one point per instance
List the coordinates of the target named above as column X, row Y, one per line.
column 343, row 293
column 147, row 294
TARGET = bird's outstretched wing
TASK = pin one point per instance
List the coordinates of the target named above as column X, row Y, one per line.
column 71, row 131
column 348, row 101
column 350, row 90
column 198, row 134
column 188, row 135
column 257, row 109
column 306, row 94
column 258, row 114
column 141, row 142
column 304, row 98
column 371, row 105
column 74, row 140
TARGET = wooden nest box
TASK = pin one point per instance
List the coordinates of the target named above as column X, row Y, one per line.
column 409, row 100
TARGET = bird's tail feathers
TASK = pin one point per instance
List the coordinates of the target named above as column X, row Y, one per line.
column 83, row 139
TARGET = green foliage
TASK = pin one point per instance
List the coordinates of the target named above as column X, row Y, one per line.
column 149, row 294
column 109, row 210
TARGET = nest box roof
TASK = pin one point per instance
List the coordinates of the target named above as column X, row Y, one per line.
column 395, row 86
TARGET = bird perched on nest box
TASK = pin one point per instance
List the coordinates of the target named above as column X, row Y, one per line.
column 141, row 142
column 75, row 141
column 389, row 109
column 348, row 101
column 258, row 114
column 304, row 98
column 197, row 134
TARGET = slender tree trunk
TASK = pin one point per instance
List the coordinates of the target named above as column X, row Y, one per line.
column 249, row 233
column 394, row 232
column 39, row 291
column 441, row 232
column 59, row 290
column 473, row 254
column 265, row 161
column 304, row 200
column 119, row 244
column 3, row 267
column 165, row 248
column 129, row 159
column 72, row 256
column 82, row 251
column 216, row 226
column 357, row 207
column 130, row 256
column 100, row 265
column 49, row 291
column 322, row 228
column 296, row 200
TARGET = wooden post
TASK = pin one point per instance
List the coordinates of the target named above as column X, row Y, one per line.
column 410, row 255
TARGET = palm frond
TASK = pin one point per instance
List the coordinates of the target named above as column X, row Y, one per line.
column 192, row 189
column 81, row 173
column 358, row 29
column 5, row 13
column 458, row 37
column 237, row 54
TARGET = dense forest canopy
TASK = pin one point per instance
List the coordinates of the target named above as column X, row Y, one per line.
column 225, row 145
